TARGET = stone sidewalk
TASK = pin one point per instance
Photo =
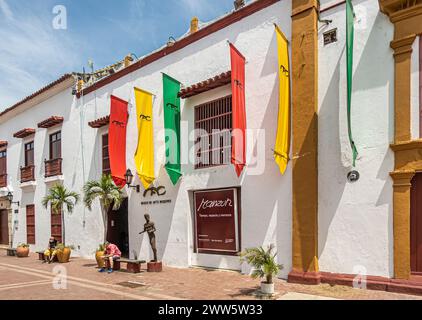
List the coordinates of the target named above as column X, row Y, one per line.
column 28, row 278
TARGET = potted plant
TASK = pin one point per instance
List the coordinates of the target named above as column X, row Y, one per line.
column 264, row 266
column 59, row 198
column 22, row 251
column 99, row 254
column 107, row 192
column 63, row 252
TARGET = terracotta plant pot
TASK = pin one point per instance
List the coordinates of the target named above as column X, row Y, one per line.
column 99, row 257
column 64, row 255
column 22, row 252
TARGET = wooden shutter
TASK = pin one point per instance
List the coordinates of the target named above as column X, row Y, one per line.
column 3, row 161
column 55, row 146
column 4, row 227
column 56, row 225
column 30, row 224
column 105, row 155
column 29, row 154
column 420, row 86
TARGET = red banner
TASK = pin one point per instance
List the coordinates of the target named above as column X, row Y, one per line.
column 117, row 140
column 238, row 108
column 216, row 221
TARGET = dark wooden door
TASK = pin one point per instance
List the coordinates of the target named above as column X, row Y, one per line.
column 30, row 224
column 56, row 226
column 4, row 227
column 416, row 225
column 118, row 228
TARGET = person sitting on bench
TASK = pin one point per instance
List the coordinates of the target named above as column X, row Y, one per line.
column 50, row 253
column 111, row 253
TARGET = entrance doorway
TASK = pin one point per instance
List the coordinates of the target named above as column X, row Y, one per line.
column 118, row 228
column 416, row 225
column 4, row 227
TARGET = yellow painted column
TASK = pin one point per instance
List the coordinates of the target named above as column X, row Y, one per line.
column 402, row 68
column 407, row 19
column 305, row 136
column 401, row 223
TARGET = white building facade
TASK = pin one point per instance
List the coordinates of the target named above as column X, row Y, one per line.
column 345, row 228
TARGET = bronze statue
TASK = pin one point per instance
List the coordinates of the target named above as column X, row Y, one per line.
column 149, row 227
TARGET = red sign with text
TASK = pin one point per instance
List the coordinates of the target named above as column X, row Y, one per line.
column 216, row 216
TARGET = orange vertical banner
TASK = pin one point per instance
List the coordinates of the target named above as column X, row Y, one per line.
column 238, row 110
column 117, row 140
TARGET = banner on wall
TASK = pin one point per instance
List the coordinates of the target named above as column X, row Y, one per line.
column 282, row 145
column 238, row 110
column 117, row 140
column 171, row 88
column 216, row 221
column 144, row 155
column 350, row 31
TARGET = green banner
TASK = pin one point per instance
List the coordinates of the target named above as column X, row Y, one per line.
column 350, row 19
column 171, row 88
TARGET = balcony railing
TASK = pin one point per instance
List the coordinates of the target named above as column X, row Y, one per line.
column 27, row 174
column 53, row 167
column 3, row 180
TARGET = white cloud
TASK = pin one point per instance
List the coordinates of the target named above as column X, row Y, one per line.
column 5, row 10
column 197, row 7
column 32, row 54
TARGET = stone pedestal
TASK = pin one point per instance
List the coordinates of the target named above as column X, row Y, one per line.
column 116, row 265
column 154, row 266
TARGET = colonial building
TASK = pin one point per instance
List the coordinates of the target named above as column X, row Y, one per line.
column 326, row 227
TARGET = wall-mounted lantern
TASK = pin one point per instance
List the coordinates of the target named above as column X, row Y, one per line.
column 9, row 197
column 129, row 180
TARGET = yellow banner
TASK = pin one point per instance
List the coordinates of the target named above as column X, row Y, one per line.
column 144, row 156
column 282, row 145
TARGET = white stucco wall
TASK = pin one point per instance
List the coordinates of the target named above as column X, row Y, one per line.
column 414, row 90
column 355, row 220
column 266, row 196
column 82, row 229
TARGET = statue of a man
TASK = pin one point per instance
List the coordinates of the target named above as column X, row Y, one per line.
column 149, row 228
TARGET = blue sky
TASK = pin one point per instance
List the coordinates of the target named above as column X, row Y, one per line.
column 33, row 53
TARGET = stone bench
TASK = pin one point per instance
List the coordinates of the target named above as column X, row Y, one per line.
column 132, row 265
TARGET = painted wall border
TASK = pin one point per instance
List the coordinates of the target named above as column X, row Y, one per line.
column 305, row 141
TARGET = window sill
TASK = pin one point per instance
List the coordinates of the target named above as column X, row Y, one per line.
column 28, row 185
column 59, row 178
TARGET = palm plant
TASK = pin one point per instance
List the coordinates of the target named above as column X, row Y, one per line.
column 59, row 197
column 262, row 261
column 107, row 192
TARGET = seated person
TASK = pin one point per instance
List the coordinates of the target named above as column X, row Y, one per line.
column 50, row 253
column 111, row 253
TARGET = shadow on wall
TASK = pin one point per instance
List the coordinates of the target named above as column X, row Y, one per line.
column 268, row 218
column 371, row 73
column 329, row 133
column 164, row 223
column 95, row 169
column 367, row 73
column 271, row 60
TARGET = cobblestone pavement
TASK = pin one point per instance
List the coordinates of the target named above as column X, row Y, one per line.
column 29, row 278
